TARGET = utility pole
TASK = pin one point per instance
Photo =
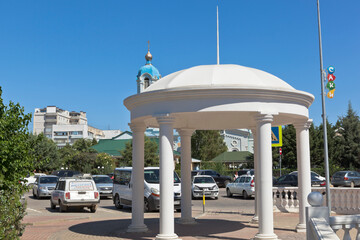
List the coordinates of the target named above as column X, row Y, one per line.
column 326, row 154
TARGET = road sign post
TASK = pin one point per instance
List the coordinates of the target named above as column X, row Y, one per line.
column 280, row 152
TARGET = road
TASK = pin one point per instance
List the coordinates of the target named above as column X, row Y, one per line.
column 106, row 207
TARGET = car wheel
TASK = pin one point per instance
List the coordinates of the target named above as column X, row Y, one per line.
column 245, row 195
column 178, row 210
column 62, row 207
column 117, row 202
column 228, row 193
column 226, row 183
column 37, row 195
column 352, row 184
column 34, row 196
column 216, row 198
column 146, row 205
column 53, row 206
column 93, row 208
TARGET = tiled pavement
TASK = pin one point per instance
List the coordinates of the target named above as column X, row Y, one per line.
column 213, row 225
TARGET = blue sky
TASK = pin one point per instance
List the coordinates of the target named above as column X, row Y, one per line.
column 84, row 55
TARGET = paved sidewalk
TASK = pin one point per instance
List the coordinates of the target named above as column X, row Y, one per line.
column 212, row 225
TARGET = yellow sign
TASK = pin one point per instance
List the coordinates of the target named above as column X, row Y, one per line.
column 276, row 136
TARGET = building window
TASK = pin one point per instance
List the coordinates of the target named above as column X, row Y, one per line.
column 61, row 134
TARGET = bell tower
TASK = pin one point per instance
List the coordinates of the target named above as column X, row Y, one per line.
column 148, row 74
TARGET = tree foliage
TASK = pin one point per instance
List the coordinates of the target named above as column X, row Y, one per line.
column 15, row 163
column 45, row 154
column 348, row 139
column 151, row 153
column 207, row 144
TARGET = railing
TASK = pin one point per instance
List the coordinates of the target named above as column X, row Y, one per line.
column 343, row 200
column 346, row 223
column 320, row 226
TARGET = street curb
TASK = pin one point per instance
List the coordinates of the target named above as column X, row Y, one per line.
column 56, row 220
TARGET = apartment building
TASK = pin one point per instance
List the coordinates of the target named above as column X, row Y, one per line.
column 62, row 126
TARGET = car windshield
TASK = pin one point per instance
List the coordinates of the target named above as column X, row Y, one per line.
column 204, row 180
column 81, row 186
column 49, row 180
column 153, row 176
column 102, row 180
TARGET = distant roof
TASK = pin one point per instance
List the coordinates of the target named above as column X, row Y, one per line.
column 242, row 156
column 114, row 147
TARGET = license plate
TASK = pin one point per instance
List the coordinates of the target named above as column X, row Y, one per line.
column 176, row 202
column 81, row 192
column 207, row 193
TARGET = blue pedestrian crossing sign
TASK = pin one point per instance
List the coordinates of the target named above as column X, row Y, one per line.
column 276, row 136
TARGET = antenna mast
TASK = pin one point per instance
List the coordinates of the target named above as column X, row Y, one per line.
column 217, row 25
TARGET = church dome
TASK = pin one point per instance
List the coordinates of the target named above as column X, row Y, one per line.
column 149, row 69
column 220, row 76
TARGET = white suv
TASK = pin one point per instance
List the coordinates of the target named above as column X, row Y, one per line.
column 75, row 192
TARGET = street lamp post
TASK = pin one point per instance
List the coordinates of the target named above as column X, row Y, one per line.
column 326, row 158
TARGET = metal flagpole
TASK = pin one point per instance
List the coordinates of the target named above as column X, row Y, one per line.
column 217, row 35
column 326, row 158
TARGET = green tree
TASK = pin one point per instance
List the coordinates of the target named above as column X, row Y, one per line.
column 207, row 144
column 84, row 145
column 45, row 154
column 348, row 140
column 15, row 163
column 151, row 153
column 66, row 154
column 288, row 159
column 105, row 162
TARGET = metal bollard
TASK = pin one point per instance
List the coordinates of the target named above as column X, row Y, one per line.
column 203, row 201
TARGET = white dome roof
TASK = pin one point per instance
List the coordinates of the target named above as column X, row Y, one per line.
column 219, row 76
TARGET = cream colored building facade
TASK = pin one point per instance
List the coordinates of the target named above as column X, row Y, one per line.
column 62, row 126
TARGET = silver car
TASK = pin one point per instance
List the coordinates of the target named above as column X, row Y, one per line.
column 346, row 178
column 104, row 185
column 204, row 185
column 243, row 186
column 44, row 186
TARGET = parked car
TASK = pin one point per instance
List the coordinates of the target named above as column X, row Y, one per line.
column 104, row 185
column 202, row 184
column 346, row 178
column 77, row 192
column 123, row 182
column 246, row 172
column 313, row 174
column 66, row 173
column 291, row 180
column 243, row 186
column 44, row 186
column 220, row 180
column 30, row 179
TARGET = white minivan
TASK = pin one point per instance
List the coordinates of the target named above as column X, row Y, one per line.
column 122, row 190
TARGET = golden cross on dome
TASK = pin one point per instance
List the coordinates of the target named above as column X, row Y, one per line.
column 148, row 45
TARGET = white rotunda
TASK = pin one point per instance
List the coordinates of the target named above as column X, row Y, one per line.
column 217, row 97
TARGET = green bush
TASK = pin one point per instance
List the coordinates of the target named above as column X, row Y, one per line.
column 12, row 210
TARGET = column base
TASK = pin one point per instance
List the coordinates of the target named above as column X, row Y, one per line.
column 140, row 228
column 255, row 220
column 259, row 236
column 167, row 237
column 186, row 221
column 301, row 227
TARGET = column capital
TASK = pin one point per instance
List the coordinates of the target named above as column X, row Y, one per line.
column 165, row 119
column 264, row 118
column 137, row 127
column 186, row 132
column 303, row 125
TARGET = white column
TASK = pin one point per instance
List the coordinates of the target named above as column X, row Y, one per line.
column 255, row 219
column 137, row 220
column 166, row 179
column 186, row 210
column 264, row 178
column 303, row 164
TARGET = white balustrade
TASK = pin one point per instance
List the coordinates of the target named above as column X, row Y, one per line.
column 343, row 200
column 346, row 222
